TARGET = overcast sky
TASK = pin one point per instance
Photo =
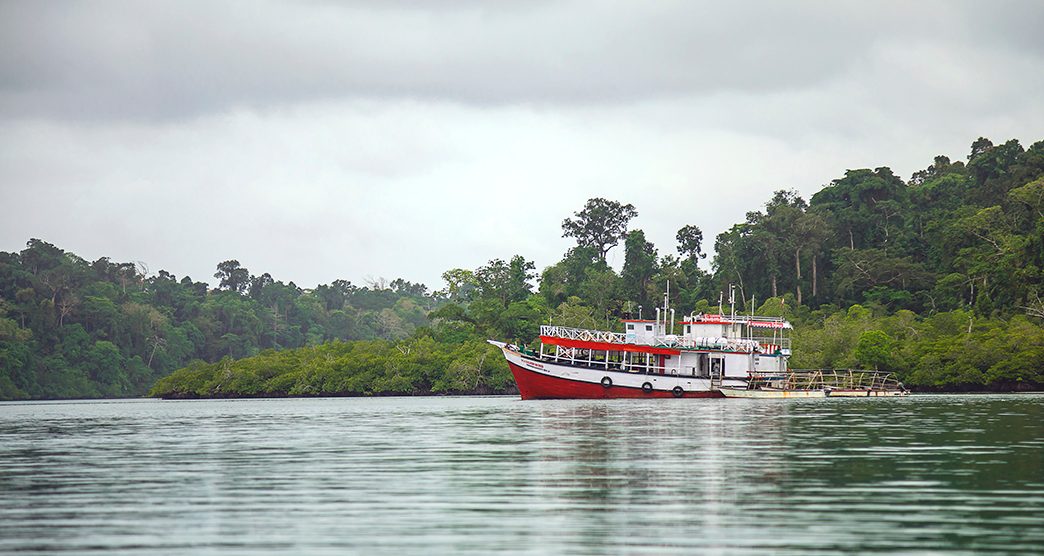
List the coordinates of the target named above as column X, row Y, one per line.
column 321, row 140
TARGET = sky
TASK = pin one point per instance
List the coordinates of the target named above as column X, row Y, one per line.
column 375, row 139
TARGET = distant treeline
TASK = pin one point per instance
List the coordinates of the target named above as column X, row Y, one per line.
column 418, row 365
column 70, row 328
column 938, row 278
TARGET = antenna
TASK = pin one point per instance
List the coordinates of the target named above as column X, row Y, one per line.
column 732, row 300
column 667, row 298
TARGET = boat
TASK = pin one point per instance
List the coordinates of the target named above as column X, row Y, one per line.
column 772, row 393
column 714, row 356
column 819, row 383
column 648, row 360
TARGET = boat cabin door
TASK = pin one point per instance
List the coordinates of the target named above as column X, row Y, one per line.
column 717, row 370
column 702, row 369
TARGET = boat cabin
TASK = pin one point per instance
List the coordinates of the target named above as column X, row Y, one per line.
column 710, row 346
column 642, row 331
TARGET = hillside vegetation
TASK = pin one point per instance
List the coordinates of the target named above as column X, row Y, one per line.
column 938, row 278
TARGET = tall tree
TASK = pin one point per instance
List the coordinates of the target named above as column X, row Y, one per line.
column 639, row 268
column 505, row 281
column 782, row 216
column 811, row 231
column 461, row 284
column 601, row 224
column 563, row 279
column 233, row 276
column 865, row 205
column 690, row 242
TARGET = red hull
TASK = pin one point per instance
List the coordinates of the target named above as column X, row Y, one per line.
column 536, row 386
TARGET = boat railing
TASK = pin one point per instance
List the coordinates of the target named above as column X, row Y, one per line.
column 754, row 320
column 583, row 334
column 765, row 345
column 585, row 358
column 747, row 318
column 815, row 379
column 720, row 344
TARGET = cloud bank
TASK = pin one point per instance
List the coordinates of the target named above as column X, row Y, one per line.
column 317, row 140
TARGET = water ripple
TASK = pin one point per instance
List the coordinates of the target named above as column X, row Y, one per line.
column 956, row 474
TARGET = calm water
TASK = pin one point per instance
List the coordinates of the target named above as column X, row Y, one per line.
column 481, row 475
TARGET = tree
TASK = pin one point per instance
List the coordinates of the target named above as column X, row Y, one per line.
column 564, row 279
column 520, row 272
column 601, row 290
column 505, row 282
column 493, row 281
column 407, row 288
column 460, row 284
column 865, row 205
column 874, row 349
column 690, row 242
column 993, row 170
column 639, row 268
column 734, row 256
column 40, row 255
column 257, row 283
column 807, row 231
column 105, row 365
column 233, row 276
column 782, row 215
column 601, row 224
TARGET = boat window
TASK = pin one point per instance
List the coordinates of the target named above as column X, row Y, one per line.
column 648, row 328
column 630, row 327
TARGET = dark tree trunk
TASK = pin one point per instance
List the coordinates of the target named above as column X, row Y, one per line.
column 813, row 275
column 797, row 268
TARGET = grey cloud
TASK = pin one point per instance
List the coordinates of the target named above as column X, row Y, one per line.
column 319, row 140
column 156, row 61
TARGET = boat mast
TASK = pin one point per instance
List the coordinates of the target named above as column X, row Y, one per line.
column 732, row 300
column 666, row 307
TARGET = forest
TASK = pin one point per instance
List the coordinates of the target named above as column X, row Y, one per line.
column 937, row 278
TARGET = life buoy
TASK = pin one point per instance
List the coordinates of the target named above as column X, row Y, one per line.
column 678, row 392
column 606, row 382
column 647, row 387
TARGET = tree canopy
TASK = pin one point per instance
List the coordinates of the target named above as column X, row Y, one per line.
column 600, row 225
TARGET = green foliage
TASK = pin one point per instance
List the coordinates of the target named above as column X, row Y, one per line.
column 419, row 365
column 69, row 328
column 639, row 268
column 874, row 349
column 951, row 350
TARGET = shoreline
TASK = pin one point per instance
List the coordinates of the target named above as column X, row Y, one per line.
column 1039, row 390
